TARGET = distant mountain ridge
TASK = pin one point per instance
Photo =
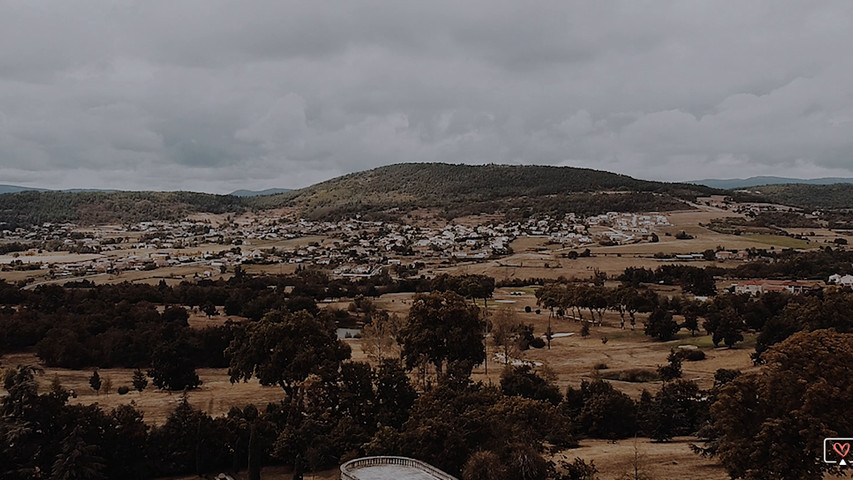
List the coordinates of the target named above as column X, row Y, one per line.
column 259, row 193
column 737, row 183
column 16, row 189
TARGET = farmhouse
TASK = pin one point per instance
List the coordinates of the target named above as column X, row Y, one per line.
column 757, row 287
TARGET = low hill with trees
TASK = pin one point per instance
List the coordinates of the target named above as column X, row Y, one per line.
column 516, row 190
column 456, row 190
column 88, row 208
column 812, row 197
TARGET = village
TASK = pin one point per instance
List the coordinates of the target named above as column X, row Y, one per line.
column 350, row 248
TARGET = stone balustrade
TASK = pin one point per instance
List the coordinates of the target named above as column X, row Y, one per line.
column 348, row 469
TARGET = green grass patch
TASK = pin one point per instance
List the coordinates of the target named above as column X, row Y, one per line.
column 701, row 341
column 627, row 334
column 780, row 241
column 705, row 341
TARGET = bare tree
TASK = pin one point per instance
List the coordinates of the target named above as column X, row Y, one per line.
column 380, row 336
column 506, row 332
column 107, row 386
column 637, row 461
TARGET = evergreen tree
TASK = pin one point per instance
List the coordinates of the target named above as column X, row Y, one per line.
column 77, row 460
column 139, row 380
column 95, row 381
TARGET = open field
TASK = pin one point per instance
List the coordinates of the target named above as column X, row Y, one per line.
column 671, row 460
column 573, row 358
column 782, row 241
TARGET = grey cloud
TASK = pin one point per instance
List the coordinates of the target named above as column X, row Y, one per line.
column 218, row 95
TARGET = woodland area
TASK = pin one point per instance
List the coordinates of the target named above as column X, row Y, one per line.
column 416, row 398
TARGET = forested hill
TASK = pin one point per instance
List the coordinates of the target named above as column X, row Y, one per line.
column 468, row 189
column 818, row 197
column 455, row 190
column 26, row 208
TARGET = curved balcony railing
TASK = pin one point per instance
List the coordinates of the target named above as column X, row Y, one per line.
column 348, row 469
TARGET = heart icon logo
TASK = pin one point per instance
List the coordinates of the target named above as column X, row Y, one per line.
column 841, row 449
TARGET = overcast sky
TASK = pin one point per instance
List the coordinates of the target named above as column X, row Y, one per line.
column 214, row 95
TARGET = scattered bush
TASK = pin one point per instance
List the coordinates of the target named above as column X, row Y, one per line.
column 634, row 375
column 691, row 355
column 579, row 470
column 671, row 370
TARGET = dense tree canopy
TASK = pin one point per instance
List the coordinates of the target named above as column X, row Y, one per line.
column 443, row 328
column 284, row 349
column 771, row 425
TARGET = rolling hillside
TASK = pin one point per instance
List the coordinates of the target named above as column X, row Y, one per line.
column 467, row 189
column 386, row 192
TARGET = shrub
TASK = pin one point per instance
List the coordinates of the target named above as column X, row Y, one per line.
column 691, row 355
column 523, row 381
column 600, row 366
column 579, row 470
column 634, row 375
column 122, row 390
column 671, row 370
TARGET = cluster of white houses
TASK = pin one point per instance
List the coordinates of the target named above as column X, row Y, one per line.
column 352, row 247
column 757, row 287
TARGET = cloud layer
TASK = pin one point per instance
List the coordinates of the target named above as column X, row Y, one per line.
column 216, row 95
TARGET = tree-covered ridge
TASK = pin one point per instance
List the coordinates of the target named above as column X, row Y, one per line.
column 467, row 189
column 457, row 190
column 838, row 196
column 90, row 208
